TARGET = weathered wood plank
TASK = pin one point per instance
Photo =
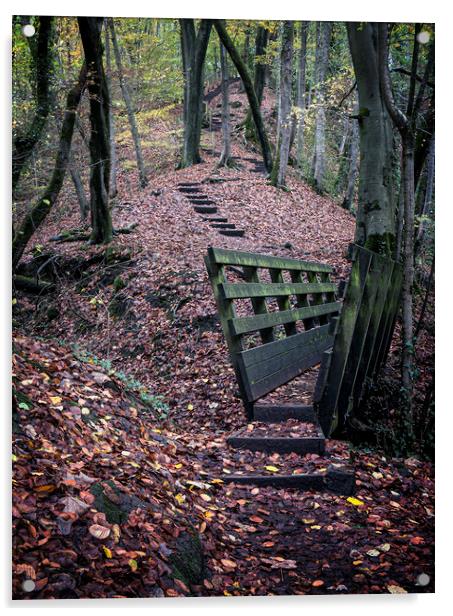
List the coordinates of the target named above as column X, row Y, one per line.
column 232, row 232
column 266, row 367
column 306, row 444
column 274, row 413
column 233, row 257
column 283, row 302
column 392, row 317
column 244, row 325
column 246, row 290
column 205, row 209
column 327, row 407
column 258, row 303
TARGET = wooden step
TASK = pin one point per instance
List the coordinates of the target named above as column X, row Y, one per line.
column 205, row 209
column 202, row 201
column 273, row 413
column 215, row 219
column 223, row 225
column 185, row 184
column 336, row 480
column 269, row 444
column 232, row 232
column 188, row 189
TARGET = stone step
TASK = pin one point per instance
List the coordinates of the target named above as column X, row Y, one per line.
column 232, row 232
column 205, row 209
column 336, row 480
column 273, row 413
column 305, row 444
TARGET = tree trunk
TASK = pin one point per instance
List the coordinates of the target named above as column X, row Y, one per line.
column 39, row 212
column 84, row 206
column 284, row 137
column 301, row 87
column 261, row 40
column 428, row 193
column 225, row 158
column 113, row 191
column 250, row 91
column 375, row 228
column 129, row 106
column 101, row 222
column 25, row 144
column 194, row 47
column 322, row 58
column 348, row 201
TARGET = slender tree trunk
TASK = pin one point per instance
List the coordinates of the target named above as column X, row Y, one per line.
column 225, row 158
column 301, row 87
column 84, row 206
column 278, row 175
column 246, row 52
column 25, row 144
column 250, row 91
column 348, row 200
column 428, row 193
column 375, row 228
column 38, row 213
column 194, row 47
column 129, row 106
column 320, row 127
column 113, row 159
column 261, row 40
column 101, row 222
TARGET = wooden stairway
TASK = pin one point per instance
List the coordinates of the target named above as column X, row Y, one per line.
column 336, row 478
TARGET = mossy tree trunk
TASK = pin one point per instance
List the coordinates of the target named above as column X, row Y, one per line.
column 101, row 222
column 250, row 91
column 375, row 227
column 41, row 51
column 194, row 46
column 225, row 157
column 301, row 87
column 113, row 191
column 38, row 213
column 262, row 36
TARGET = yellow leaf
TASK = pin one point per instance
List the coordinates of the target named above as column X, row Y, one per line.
column 55, row 399
column 308, row 521
column 396, row 590
column 208, row 515
column 315, row 527
column 133, row 564
column 217, row 481
column 355, row 501
column 107, row 552
column 178, row 465
column 180, row 498
column 206, row 497
column 272, row 469
column 190, row 407
column 85, row 411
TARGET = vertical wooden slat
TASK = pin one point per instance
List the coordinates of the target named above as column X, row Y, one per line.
column 394, row 304
column 283, row 302
column 259, row 303
column 302, row 300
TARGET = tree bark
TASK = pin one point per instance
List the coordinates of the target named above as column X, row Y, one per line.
column 39, row 212
column 129, row 106
column 375, row 228
column 428, row 193
column 84, row 206
column 101, row 222
column 301, row 87
column 194, row 47
column 278, row 175
column 262, row 36
column 25, row 144
column 348, row 200
column 113, row 190
column 225, row 158
column 322, row 58
column 250, row 91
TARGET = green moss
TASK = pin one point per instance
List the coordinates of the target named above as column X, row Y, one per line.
column 383, row 244
column 116, row 513
column 118, row 284
column 187, row 559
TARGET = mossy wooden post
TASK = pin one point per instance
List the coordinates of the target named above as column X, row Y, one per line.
column 327, row 407
column 302, row 300
column 226, row 311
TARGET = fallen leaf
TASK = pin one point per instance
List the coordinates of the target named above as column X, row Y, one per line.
column 98, row 531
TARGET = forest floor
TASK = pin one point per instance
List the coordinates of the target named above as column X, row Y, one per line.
column 125, row 398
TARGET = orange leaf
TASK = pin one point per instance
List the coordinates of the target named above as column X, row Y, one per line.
column 317, row 583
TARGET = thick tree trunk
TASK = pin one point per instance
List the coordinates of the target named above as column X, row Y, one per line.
column 250, row 91
column 25, row 144
column 322, row 58
column 129, row 106
column 301, row 87
column 113, row 191
column 101, row 222
column 39, row 212
column 225, row 158
column 284, row 137
column 375, row 228
column 259, row 81
column 348, row 200
column 194, row 48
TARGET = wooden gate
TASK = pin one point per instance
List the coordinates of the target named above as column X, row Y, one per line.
column 284, row 324
column 362, row 339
